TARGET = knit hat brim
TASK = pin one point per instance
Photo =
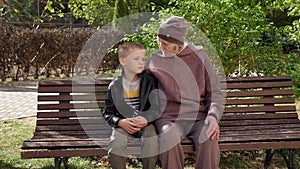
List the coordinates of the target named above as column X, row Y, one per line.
column 169, row 39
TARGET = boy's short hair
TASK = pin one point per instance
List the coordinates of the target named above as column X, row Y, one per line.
column 126, row 46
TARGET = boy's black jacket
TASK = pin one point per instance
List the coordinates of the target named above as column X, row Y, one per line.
column 116, row 108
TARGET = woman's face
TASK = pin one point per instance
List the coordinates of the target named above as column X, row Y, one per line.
column 169, row 49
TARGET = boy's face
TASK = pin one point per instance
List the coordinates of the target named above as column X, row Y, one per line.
column 134, row 62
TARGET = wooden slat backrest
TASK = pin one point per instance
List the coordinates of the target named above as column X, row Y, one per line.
column 259, row 109
column 259, row 95
column 73, row 99
column 71, row 108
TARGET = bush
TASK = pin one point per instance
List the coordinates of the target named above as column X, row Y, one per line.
column 296, row 80
column 51, row 52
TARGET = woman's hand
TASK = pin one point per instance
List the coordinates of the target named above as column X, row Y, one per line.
column 213, row 130
column 140, row 121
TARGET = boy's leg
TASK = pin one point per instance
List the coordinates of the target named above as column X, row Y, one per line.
column 117, row 148
column 150, row 147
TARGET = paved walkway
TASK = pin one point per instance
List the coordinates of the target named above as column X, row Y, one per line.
column 18, row 100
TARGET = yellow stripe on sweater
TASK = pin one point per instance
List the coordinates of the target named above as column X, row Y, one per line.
column 131, row 93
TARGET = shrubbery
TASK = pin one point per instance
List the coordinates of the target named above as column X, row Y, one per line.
column 35, row 52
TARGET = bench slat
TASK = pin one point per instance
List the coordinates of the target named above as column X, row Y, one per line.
column 80, row 143
column 261, row 137
column 64, row 153
column 75, row 81
column 97, row 105
column 71, row 127
column 88, row 134
column 257, row 127
column 260, row 116
column 259, row 146
column 92, row 121
column 72, row 89
column 259, row 109
column 259, row 122
column 61, row 137
column 240, row 101
column 82, row 132
column 79, row 114
column 259, row 93
column 257, row 79
column 83, row 97
column 259, row 85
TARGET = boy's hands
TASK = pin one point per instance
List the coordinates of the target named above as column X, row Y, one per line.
column 132, row 125
column 129, row 126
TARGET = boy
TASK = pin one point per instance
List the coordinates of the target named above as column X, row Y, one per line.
column 131, row 106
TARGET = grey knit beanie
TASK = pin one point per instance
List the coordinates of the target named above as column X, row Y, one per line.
column 174, row 29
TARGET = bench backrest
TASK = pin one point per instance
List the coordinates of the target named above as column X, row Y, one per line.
column 74, row 107
column 259, row 95
column 259, row 109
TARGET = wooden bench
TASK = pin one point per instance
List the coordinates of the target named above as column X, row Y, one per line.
column 260, row 114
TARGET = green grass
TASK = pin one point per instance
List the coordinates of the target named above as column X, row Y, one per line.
column 14, row 132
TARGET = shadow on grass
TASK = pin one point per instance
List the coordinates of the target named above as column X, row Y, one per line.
column 69, row 167
column 4, row 165
column 7, row 166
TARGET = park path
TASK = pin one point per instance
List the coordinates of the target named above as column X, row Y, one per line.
column 18, row 100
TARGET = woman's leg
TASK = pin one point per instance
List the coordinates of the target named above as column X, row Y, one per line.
column 170, row 135
column 207, row 152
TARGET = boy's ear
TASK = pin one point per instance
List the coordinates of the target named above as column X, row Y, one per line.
column 122, row 61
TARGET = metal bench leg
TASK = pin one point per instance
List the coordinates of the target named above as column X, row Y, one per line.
column 269, row 155
column 65, row 161
column 289, row 158
column 292, row 158
column 285, row 157
column 57, row 162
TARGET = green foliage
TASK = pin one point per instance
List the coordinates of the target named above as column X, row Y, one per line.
column 247, row 35
column 296, row 80
column 121, row 9
column 99, row 12
column 242, row 33
column 11, row 10
column 95, row 12
column 146, row 34
column 239, row 31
